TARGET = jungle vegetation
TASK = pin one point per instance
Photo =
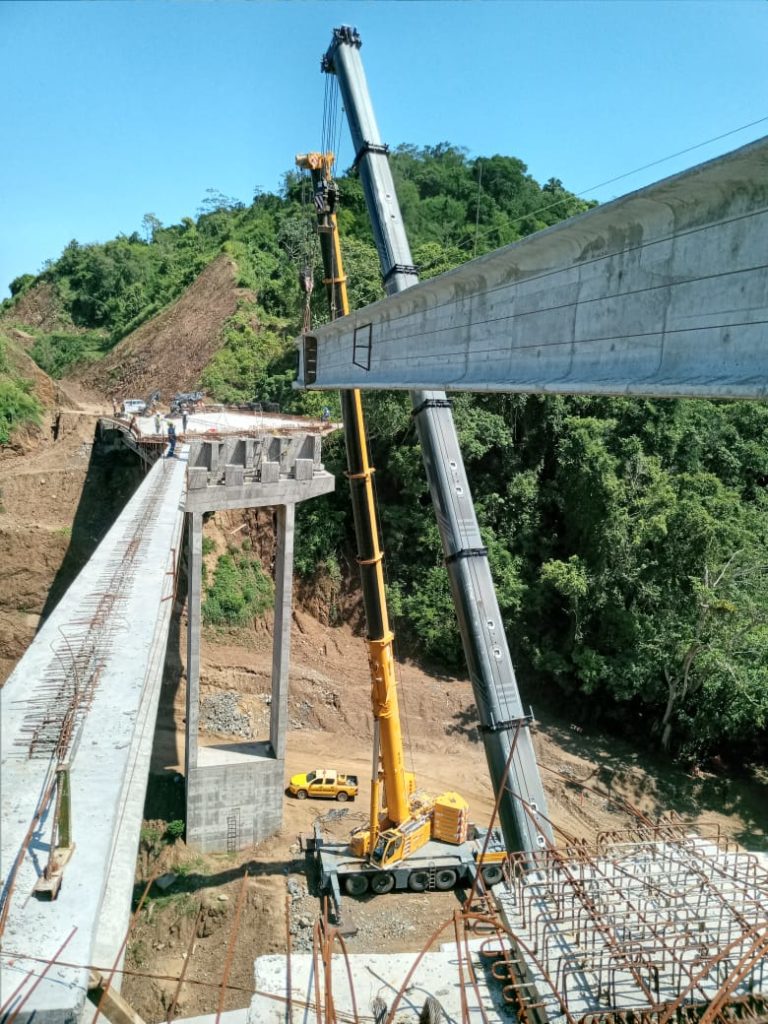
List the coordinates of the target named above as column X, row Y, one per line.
column 628, row 538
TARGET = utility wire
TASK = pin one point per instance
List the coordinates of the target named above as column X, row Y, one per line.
column 610, row 181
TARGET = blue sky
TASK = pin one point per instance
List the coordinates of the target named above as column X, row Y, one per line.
column 113, row 109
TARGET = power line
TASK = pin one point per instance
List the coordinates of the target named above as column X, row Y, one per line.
column 592, row 188
column 671, row 156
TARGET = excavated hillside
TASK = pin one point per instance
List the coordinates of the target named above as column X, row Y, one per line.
column 40, row 307
column 170, row 351
column 59, row 493
column 51, row 396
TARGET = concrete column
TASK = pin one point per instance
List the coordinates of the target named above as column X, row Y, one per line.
column 195, row 569
column 281, row 646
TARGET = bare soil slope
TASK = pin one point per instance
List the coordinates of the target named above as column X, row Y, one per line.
column 170, row 351
column 48, row 392
column 57, row 499
column 40, row 307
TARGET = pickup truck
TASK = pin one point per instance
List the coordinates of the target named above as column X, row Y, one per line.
column 323, row 784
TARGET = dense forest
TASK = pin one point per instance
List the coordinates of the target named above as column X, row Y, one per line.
column 628, row 538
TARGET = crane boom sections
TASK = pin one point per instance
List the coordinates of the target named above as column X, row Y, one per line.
column 522, row 808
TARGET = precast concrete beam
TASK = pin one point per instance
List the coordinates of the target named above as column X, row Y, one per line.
column 93, row 673
column 662, row 293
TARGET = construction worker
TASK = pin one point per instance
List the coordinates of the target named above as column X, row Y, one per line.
column 184, row 418
column 171, row 440
column 157, row 423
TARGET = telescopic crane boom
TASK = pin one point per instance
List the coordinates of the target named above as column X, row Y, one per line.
column 503, row 723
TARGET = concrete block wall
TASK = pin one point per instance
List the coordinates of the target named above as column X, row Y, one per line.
column 234, row 806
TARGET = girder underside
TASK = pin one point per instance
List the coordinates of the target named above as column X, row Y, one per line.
column 663, row 293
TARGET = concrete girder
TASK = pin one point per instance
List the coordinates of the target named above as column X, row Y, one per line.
column 97, row 662
column 661, row 293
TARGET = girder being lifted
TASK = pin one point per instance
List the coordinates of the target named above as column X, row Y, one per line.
column 662, row 293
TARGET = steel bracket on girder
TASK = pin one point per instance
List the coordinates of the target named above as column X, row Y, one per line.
column 432, row 403
column 466, row 553
column 508, row 724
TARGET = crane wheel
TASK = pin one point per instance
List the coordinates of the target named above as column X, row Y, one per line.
column 301, row 795
column 382, row 882
column 342, row 797
column 492, row 874
column 445, row 879
column 418, row 881
column 356, row 885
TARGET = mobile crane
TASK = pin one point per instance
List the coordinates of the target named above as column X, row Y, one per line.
column 412, row 840
column 504, row 726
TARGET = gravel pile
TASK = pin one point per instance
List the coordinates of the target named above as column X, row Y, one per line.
column 304, row 910
column 220, row 714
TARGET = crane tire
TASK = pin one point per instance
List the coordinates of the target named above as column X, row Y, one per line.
column 492, row 874
column 342, row 797
column 382, row 882
column 301, row 795
column 445, row 879
column 418, row 881
column 356, row 885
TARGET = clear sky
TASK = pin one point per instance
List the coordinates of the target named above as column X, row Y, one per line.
column 113, row 109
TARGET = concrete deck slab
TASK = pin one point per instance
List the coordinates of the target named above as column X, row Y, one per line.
column 232, row 423
column 108, row 635
column 375, row 974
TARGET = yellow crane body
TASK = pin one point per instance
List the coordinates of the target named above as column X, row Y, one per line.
column 402, row 821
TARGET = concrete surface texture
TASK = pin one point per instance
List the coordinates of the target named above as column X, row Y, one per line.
column 376, row 975
column 93, row 676
column 660, row 293
column 227, row 422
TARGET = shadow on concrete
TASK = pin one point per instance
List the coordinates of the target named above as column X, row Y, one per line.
column 234, row 753
column 167, row 752
column 113, row 475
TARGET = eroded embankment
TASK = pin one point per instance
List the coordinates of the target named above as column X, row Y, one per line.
column 57, row 502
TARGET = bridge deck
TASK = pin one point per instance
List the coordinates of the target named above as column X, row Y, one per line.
column 86, row 693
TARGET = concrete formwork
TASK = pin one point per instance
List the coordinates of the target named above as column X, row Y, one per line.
column 235, row 791
column 92, row 675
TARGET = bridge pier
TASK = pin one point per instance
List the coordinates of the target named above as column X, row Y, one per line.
column 235, row 791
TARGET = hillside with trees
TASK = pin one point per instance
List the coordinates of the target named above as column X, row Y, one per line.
column 628, row 538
